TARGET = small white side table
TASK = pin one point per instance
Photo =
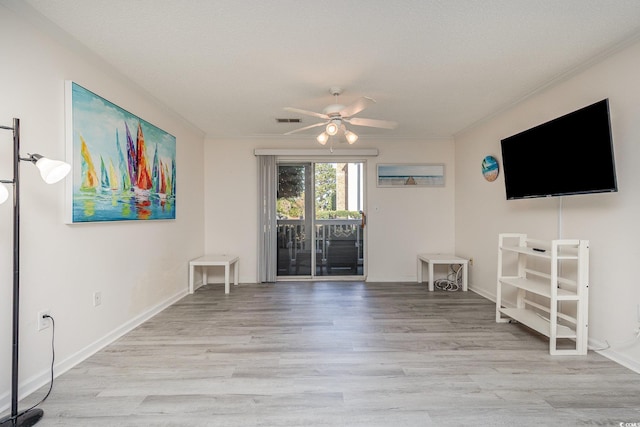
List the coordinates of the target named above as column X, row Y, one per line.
column 206, row 261
column 432, row 259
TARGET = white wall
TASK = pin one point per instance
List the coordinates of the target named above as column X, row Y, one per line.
column 138, row 266
column 609, row 221
column 401, row 221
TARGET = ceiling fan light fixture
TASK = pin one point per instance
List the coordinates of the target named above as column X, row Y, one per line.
column 351, row 137
column 332, row 127
column 323, row 138
column 336, row 116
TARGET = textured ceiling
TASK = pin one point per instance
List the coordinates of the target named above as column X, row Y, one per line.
column 434, row 66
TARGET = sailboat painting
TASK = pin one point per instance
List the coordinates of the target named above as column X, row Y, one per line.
column 124, row 168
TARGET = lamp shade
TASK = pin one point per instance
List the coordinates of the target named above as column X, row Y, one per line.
column 52, row 171
column 332, row 128
column 323, row 138
column 351, row 137
column 4, row 194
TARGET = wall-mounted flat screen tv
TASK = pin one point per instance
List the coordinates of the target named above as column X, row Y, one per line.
column 572, row 154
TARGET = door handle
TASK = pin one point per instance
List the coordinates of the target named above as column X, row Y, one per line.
column 364, row 219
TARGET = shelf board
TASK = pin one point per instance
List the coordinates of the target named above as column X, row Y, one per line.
column 534, row 321
column 561, row 280
column 545, row 255
column 539, row 287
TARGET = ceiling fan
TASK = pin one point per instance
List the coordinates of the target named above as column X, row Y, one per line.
column 336, row 116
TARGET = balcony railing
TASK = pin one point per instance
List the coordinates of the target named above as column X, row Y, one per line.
column 294, row 246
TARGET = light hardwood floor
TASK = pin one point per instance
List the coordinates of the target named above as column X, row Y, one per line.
column 338, row 354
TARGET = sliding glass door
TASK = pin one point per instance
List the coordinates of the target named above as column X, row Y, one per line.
column 320, row 220
column 294, row 212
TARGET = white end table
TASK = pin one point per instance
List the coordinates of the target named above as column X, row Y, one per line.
column 206, row 261
column 432, row 259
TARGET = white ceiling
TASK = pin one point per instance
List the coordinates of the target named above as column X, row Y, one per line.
column 434, row 66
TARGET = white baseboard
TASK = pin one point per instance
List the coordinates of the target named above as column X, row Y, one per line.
column 33, row 383
column 482, row 293
column 614, row 355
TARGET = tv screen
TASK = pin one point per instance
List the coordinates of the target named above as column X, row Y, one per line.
column 572, row 154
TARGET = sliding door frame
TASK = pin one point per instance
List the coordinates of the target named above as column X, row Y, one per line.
column 310, row 212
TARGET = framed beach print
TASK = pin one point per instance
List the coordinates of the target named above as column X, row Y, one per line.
column 123, row 167
column 410, row 175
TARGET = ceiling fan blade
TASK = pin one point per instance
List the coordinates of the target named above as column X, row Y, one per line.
column 356, row 107
column 306, row 112
column 385, row 124
column 315, row 125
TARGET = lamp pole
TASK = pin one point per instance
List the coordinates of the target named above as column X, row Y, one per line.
column 34, row 415
column 16, row 270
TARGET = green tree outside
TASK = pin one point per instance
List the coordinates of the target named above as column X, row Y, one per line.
column 291, row 196
column 325, row 187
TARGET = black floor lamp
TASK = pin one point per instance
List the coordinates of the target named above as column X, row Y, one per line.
column 51, row 171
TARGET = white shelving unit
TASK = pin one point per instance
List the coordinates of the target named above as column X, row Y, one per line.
column 546, row 285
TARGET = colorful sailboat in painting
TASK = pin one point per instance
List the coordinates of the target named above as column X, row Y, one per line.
column 161, row 178
column 104, row 175
column 143, row 181
column 131, row 157
column 123, row 166
column 90, row 180
column 109, row 180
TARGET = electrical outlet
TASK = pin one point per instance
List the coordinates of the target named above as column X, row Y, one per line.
column 43, row 322
column 97, row 298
